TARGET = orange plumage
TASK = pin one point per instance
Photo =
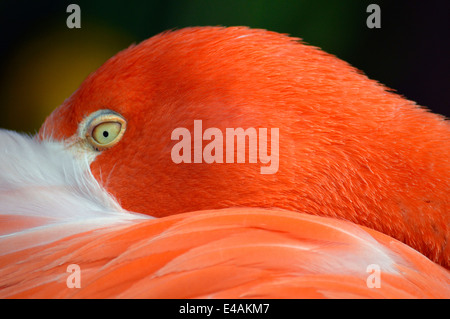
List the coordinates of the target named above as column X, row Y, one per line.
column 349, row 148
column 231, row 253
column 371, row 165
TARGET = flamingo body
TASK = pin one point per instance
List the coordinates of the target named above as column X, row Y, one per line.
column 230, row 253
column 348, row 147
column 225, row 253
column 363, row 180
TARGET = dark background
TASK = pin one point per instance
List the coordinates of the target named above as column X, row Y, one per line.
column 42, row 61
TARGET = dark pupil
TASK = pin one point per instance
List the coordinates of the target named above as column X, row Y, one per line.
column 105, row 133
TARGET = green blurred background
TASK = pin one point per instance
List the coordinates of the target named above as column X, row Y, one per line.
column 42, row 61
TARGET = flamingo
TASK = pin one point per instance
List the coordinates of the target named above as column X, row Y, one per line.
column 95, row 206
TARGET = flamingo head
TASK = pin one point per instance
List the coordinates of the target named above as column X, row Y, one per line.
column 332, row 141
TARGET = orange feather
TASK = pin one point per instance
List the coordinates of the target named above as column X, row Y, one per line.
column 232, row 253
column 363, row 179
column 349, row 148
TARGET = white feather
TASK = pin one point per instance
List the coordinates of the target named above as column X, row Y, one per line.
column 44, row 181
column 51, row 182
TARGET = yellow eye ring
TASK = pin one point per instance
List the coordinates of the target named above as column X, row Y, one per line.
column 105, row 129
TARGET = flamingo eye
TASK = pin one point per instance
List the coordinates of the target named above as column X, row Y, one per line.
column 106, row 133
column 105, row 129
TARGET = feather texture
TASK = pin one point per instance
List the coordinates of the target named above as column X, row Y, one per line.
column 349, row 148
column 358, row 166
column 46, row 194
column 55, row 214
